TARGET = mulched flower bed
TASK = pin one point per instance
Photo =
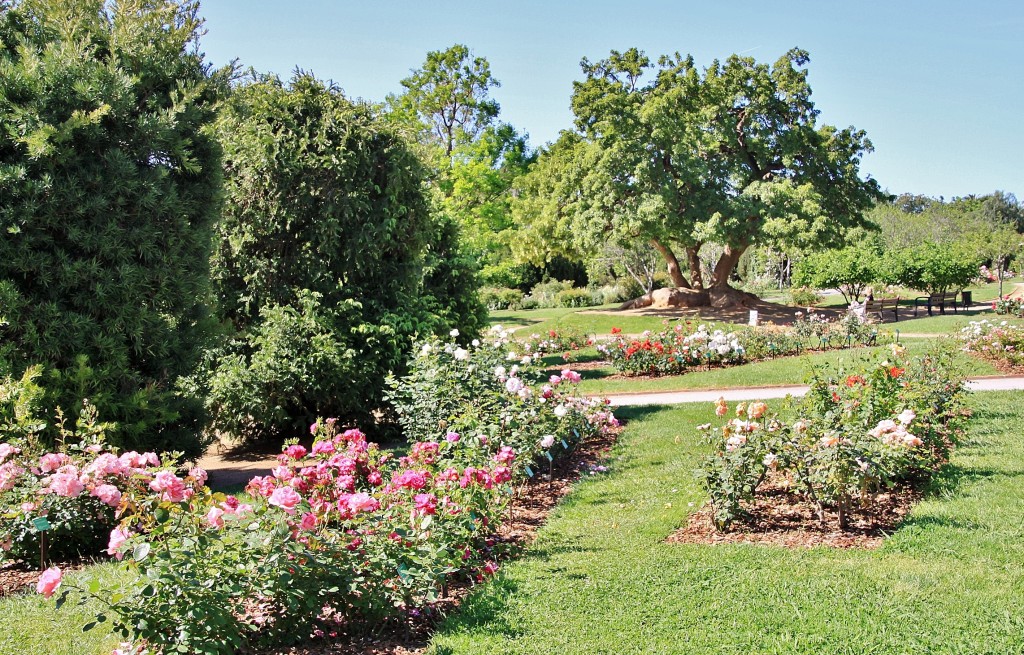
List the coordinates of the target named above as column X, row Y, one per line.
column 16, row 577
column 779, row 517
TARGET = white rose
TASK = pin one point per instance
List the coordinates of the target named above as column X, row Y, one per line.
column 461, row 354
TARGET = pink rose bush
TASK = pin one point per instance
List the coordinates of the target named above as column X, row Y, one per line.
column 78, row 493
column 855, row 434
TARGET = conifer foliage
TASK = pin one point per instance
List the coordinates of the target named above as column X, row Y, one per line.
column 109, row 187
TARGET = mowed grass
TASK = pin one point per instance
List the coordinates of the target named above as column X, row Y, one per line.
column 601, row 580
column 779, row 371
column 31, row 624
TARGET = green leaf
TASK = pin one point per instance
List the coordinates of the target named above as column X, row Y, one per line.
column 141, row 552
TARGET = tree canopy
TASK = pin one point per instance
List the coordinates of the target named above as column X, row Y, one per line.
column 731, row 154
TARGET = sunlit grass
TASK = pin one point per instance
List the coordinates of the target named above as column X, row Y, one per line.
column 601, row 579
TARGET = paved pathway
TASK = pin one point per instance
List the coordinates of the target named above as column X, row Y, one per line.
column 997, row 383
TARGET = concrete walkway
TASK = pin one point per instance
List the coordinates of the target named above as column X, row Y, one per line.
column 995, row 383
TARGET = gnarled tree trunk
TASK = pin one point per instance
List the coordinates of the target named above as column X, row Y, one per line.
column 693, row 256
column 673, row 264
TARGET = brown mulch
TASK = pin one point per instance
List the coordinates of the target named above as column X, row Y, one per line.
column 533, row 501
column 779, row 517
column 18, row 577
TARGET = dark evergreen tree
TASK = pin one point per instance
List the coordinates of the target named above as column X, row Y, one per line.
column 109, row 186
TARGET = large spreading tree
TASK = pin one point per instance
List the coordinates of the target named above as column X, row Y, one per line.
column 677, row 157
column 109, row 187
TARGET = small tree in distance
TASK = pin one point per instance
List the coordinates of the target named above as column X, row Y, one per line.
column 850, row 269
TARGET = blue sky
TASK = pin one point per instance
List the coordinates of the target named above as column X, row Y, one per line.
column 938, row 85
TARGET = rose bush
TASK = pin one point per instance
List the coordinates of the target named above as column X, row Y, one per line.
column 856, row 433
column 999, row 342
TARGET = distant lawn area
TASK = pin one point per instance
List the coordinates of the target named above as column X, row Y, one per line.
column 601, row 579
column 780, row 371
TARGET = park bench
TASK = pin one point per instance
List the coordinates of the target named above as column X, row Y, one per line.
column 880, row 305
column 940, row 300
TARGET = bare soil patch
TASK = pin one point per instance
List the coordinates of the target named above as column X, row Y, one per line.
column 780, row 517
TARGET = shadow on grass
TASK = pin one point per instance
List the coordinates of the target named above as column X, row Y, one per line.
column 484, row 611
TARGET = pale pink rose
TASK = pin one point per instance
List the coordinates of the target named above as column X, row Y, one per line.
column 108, row 494
column 906, row 416
column 452, row 437
column 215, row 517
column 829, row 440
column 735, row 441
column 117, row 539
column 27, row 507
column 132, row 459
column 49, row 581
column 283, row 473
column 313, row 427
column 547, row 441
column 363, row 502
column 106, row 464
column 286, row 498
column 66, row 484
column 152, row 459
column 170, row 486
column 199, row 475
column 6, row 450
column 52, row 461
column 571, row 376
column 9, row 474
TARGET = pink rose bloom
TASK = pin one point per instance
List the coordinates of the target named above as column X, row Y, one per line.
column 323, row 447
column 6, row 450
column 555, row 380
column 426, row 503
column 308, row 521
column 171, row 486
column 452, row 437
column 362, row 502
column 375, row 478
column 313, row 427
column 283, row 473
column 199, row 475
column 106, row 464
column 513, row 385
column 410, row 479
column 295, row 451
column 243, row 510
column 52, row 461
column 502, row 474
column 132, row 459
column 108, row 494
column 117, row 539
column 345, row 483
column 490, row 568
column 547, row 391
column 9, row 474
column 353, row 436
column 345, row 465
column 215, row 517
column 66, row 484
column 286, row 498
column 571, row 376
column 49, row 581
column 505, row 455
column 151, row 459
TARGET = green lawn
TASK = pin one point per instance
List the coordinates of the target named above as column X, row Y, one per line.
column 31, row 624
column 601, row 580
column 784, row 370
column 540, row 321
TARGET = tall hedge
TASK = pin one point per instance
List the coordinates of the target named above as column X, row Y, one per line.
column 109, row 186
column 319, row 261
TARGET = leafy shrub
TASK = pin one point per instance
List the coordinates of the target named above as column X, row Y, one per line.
column 673, row 350
column 325, row 231
column 508, row 274
column 499, row 298
column 850, row 269
column 803, row 297
column 930, row 267
column 110, row 185
column 856, row 433
column 1009, row 306
column 574, row 298
column 546, row 293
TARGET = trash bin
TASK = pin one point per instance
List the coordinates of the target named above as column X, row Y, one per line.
column 966, row 300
